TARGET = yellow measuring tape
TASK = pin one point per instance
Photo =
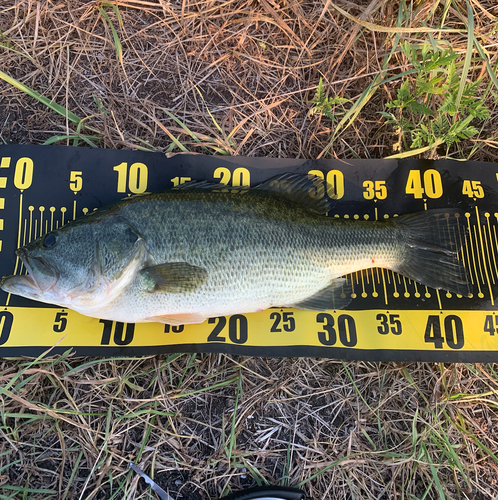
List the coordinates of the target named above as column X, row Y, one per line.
column 390, row 317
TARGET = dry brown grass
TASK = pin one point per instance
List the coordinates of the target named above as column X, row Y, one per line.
column 201, row 425
column 256, row 64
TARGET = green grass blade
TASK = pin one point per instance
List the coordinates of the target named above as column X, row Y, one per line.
column 434, row 473
column 326, row 468
column 182, row 125
column 115, row 36
column 445, row 11
column 40, row 98
column 350, row 116
column 204, row 389
column 387, row 29
column 18, row 375
column 73, row 474
column 116, row 11
column 485, row 58
column 360, row 103
column 9, row 464
column 86, row 138
column 78, row 131
column 451, row 452
column 135, row 414
column 413, row 152
column 202, row 141
column 233, row 437
column 175, row 142
column 209, row 112
column 21, row 489
column 93, row 362
column 468, row 54
column 7, row 46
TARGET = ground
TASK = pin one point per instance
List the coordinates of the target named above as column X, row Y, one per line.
column 241, row 77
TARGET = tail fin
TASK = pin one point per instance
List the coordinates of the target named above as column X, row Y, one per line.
column 432, row 240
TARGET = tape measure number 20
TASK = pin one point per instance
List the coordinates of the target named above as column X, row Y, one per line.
column 389, row 318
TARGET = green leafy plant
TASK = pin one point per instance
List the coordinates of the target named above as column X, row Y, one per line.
column 435, row 108
column 331, row 107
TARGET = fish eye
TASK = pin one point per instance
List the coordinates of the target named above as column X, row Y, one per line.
column 50, row 240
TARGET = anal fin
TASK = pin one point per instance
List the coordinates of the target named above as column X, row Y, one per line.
column 337, row 295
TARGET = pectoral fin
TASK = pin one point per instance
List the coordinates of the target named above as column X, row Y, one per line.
column 335, row 296
column 174, row 277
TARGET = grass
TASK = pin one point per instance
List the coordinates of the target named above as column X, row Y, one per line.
column 278, row 79
column 438, row 110
column 207, row 424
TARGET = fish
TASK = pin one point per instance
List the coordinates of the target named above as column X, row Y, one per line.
column 204, row 250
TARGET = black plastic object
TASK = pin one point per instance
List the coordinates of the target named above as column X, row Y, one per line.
column 267, row 493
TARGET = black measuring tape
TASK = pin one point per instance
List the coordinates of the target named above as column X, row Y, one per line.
column 389, row 318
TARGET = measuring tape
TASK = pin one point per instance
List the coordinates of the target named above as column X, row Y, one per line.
column 390, row 317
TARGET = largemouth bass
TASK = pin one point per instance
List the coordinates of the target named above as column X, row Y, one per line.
column 200, row 251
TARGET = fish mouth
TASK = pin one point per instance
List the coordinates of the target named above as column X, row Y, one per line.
column 41, row 276
column 23, row 285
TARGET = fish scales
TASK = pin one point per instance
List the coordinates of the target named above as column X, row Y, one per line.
column 258, row 251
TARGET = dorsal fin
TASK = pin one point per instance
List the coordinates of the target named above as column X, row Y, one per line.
column 302, row 189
